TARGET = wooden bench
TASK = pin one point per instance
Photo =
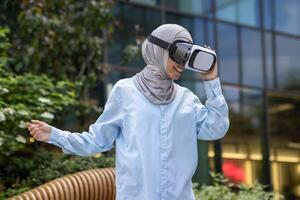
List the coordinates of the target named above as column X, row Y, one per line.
column 95, row 184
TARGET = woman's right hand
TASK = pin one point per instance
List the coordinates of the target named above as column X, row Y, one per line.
column 39, row 130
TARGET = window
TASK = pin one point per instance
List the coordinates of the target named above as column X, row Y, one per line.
column 243, row 141
column 268, row 18
column 140, row 22
column 191, row 6
column 287, row 59
column 148, row 2
column 251, row 58
column 239, row 11
column 269, row 60
column 284, row 114
column 287, row 15
column 228, row 53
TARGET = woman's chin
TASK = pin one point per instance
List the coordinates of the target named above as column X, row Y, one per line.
column 176, row 77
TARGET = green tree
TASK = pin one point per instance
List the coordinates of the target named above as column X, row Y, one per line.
column 221, row 188
column 62, row 38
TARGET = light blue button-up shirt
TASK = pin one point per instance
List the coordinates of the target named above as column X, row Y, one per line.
column 156, row 145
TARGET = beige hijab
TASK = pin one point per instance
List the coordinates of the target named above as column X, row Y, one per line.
column 153, row 81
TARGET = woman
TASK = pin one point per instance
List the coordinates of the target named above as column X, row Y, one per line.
column 155, row 124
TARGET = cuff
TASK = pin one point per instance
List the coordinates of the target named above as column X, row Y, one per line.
column 55, row 134
column 212, row 88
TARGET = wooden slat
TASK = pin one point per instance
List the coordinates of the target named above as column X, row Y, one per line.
column 95, row 184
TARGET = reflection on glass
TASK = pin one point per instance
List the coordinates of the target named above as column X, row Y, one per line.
column 248, row 12
column 287, row 15
column 131, row 27
column 227, row 10
column 211, row 164
column 241, row 147
column 232, row 96
column 242, row 141
column 191, row 6
column 210, row 35
column 290, row 180
column 256, row 170
column 147, row 2
column 268, row 6
column 194, row 25
column 251, row 58
column 284, row 115
column 198, row 31
column 234, row 170
column 287, row 59
column 241, row 11
column 228, row 53
column 269, row 60
column 252, row 106
column 251, row 126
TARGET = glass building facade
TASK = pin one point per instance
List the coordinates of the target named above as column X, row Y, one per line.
column 258, row 45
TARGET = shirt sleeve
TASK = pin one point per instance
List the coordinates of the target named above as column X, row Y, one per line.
column 100, row 136
column 212, row 120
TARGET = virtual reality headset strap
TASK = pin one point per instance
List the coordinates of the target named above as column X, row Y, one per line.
column 163, row 44
column 171, row 47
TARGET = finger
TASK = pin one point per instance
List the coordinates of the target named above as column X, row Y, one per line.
column 34, row 131
column 37, row 122
column 31, row 126
column 28, row 125
column 30, row 132
column 36, row 125
column 37, row 133
column 38, row 137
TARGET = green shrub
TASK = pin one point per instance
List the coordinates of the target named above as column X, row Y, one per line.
column 25, row 97
column 221, row 188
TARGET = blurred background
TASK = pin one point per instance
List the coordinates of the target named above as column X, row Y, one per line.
column 68, row 54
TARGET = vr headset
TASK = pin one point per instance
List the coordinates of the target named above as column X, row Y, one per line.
column 192, row 57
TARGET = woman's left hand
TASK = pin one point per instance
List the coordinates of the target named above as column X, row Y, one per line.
column 213, row 73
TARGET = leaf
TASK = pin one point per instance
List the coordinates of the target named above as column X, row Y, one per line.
column 21, row 139
column 2, row 117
